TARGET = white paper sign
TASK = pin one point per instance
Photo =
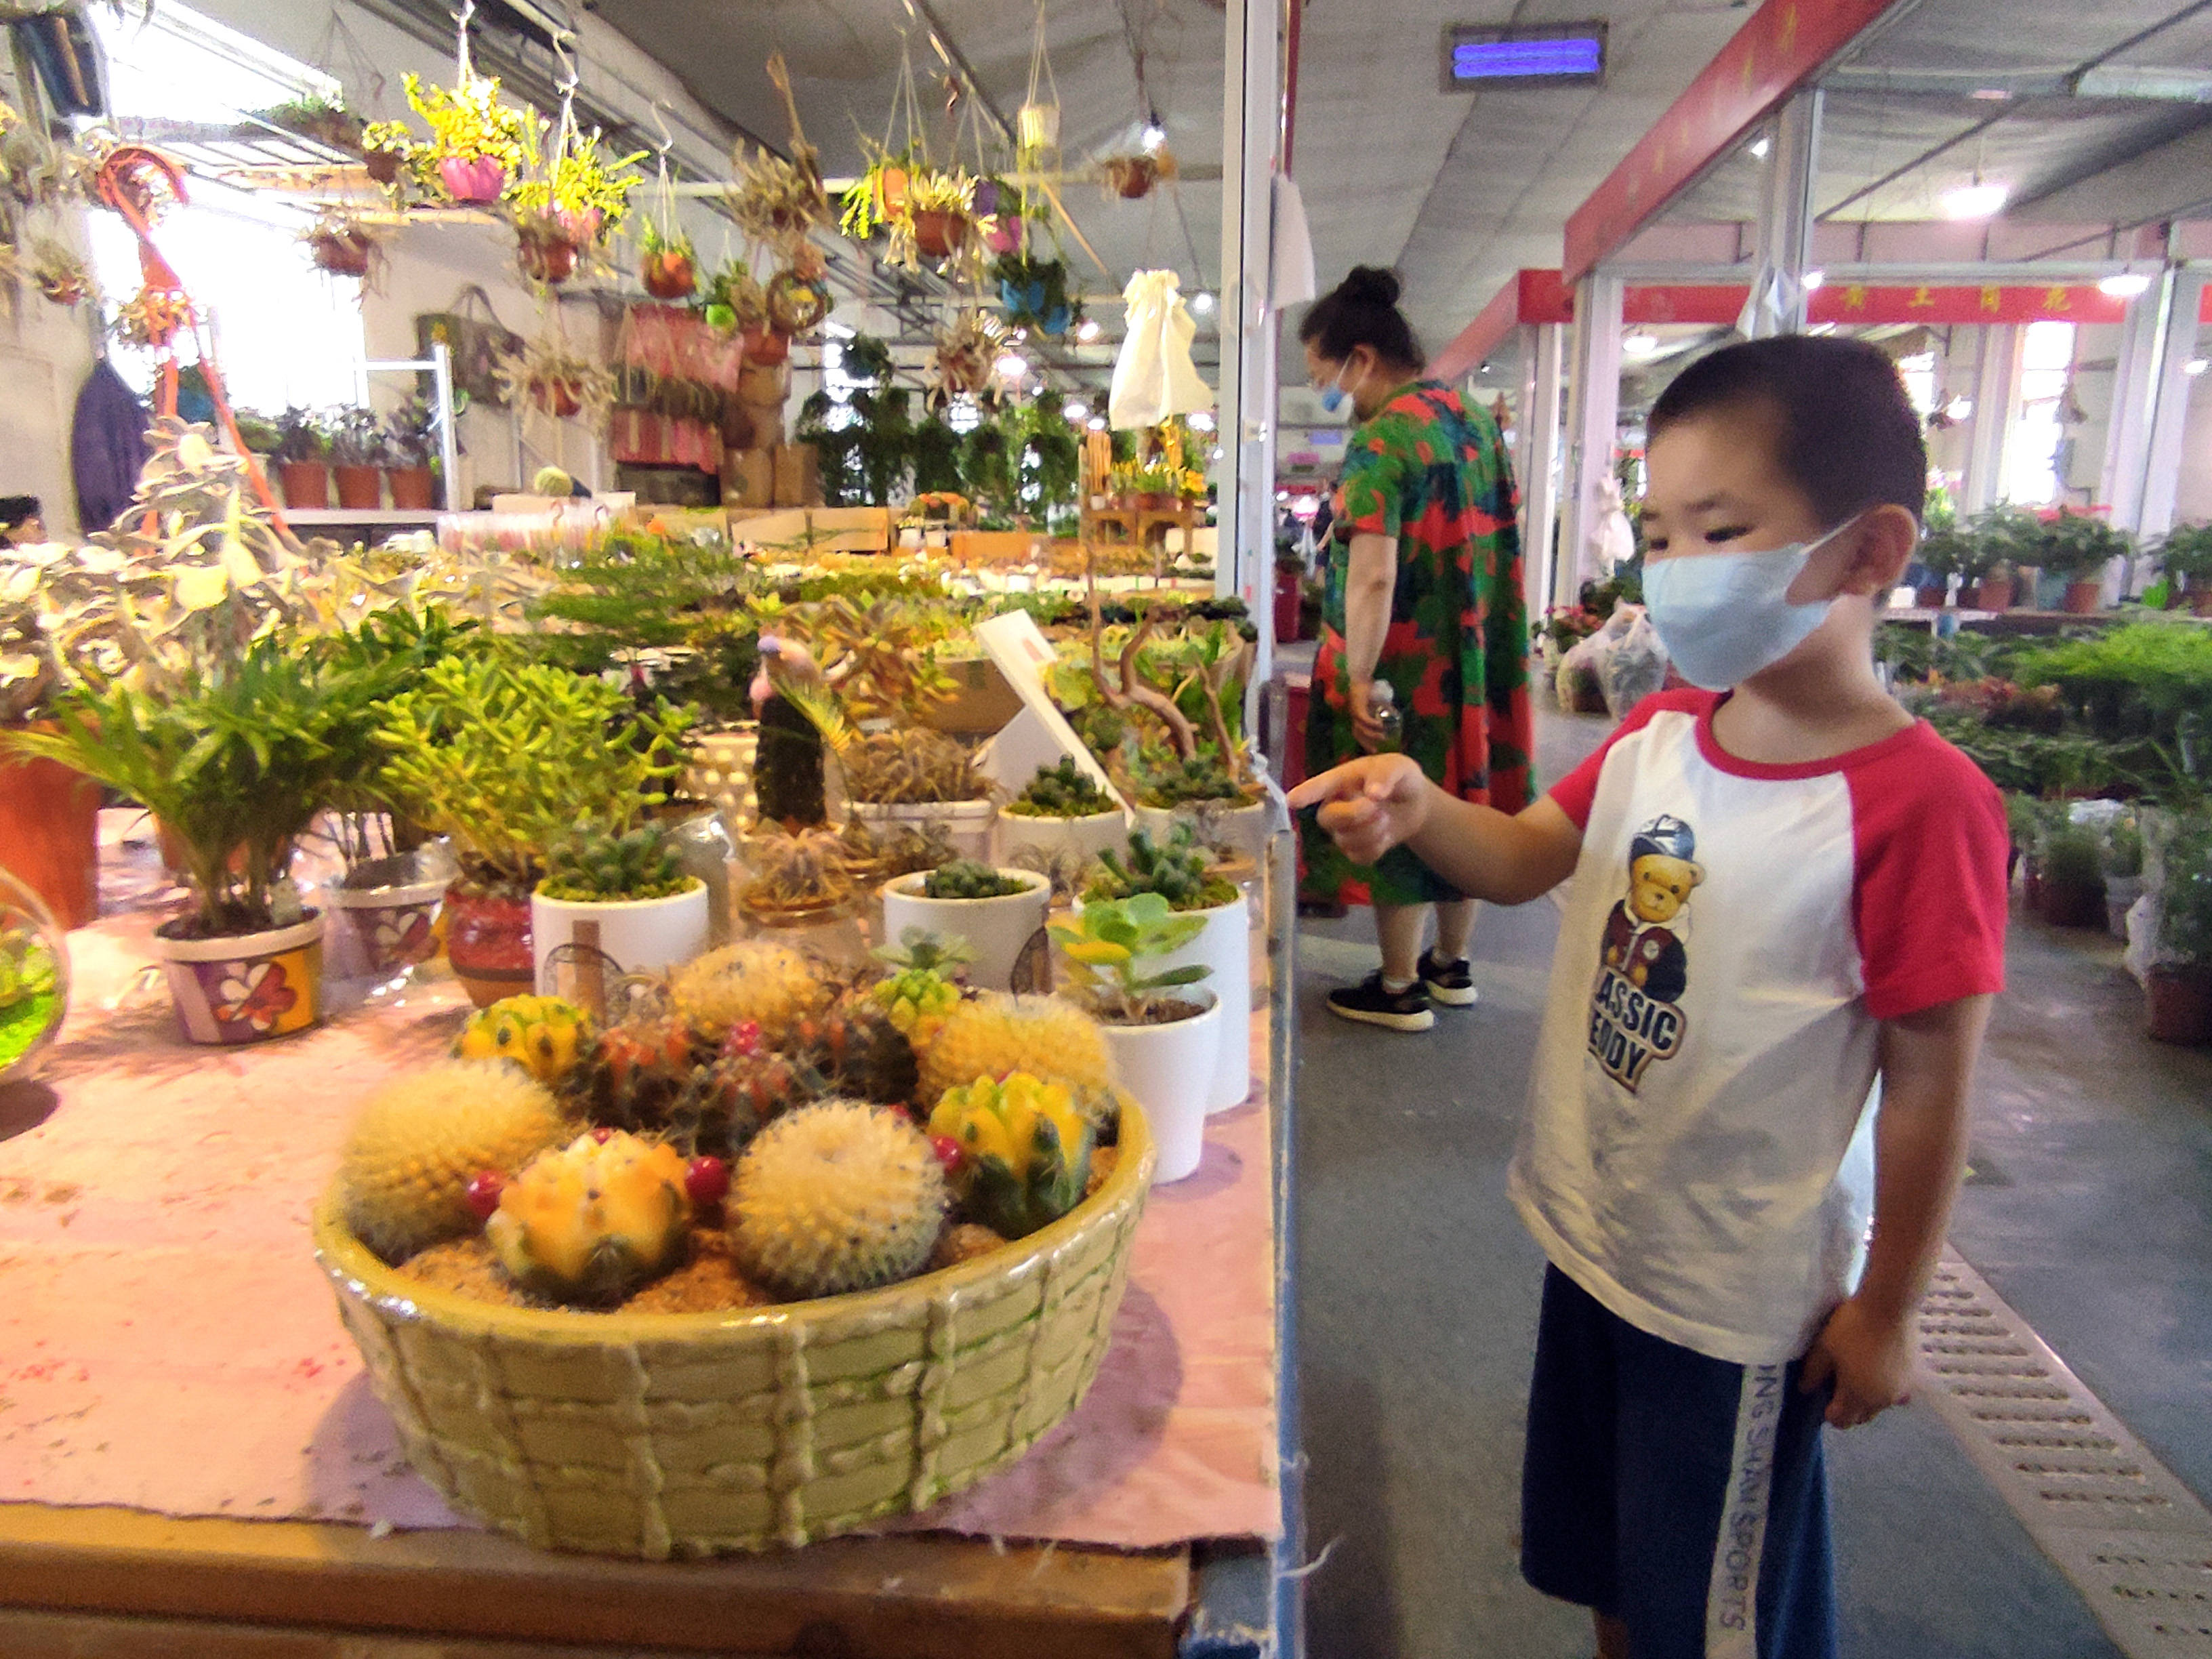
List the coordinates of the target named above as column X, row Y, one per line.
column 1023, row 655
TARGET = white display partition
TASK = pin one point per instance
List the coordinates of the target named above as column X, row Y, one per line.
column 1040, row 735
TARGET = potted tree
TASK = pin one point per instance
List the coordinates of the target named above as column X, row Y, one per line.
column 2185, row 556
column 1161, row 1044
column 356, row 439
column 1000, row 913
column 498, row 755
column 303, row 456
column 1060, row 810
column 1181, row 871
column 2177, row 989
column 235, row 765
column 2078, row 546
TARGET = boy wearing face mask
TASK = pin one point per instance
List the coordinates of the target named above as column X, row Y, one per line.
column 1784, row 932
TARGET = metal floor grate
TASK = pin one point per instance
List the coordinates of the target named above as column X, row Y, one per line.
column 2130, row 1537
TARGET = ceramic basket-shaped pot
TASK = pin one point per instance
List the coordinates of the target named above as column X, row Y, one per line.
column 1165, row 1069
column 246, row 987
column 580, row 948
column 487, row 942
column 394, row 927
column 660, row 1435
column 1006, row 933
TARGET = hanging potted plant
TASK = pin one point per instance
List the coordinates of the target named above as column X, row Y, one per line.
column 549, row 376
column 357, row 459
column 409, row 445
column 1160, row 1028
column 477, row 143
column 1183, row 873
column 1061, row 809
column 339, row 244
column 2177, row 989
column 1001, row 914
column 669, row 268
column 303, row 459
column 878, row 200
column 2078, row 546
column 2185, row 556
column 1034, row 292
column 568, row 200
column 235, row 766
column 498, row 755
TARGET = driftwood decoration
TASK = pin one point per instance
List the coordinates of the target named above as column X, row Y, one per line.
column 1127, row 690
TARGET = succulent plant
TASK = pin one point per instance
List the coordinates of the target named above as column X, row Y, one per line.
column 858, row 1049
column 1166, row 780
column 969, row 878
column 542, row 1035
column 991, row 1035
column 909, row 767
column 841, row 1196
column 1107, row 948
column 798, row 871
column 1024, row 1152
column 589, row 1222
column 920, row 991
column 757, row 981
column 594, row 865
column 1179, row 872
column 1064, row 791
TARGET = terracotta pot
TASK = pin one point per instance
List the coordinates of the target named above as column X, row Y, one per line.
column 383, row 166
column 360, row 489
column 548, row 259
column 2179, row 1004
column 890, row 191
column 1154, row 500
column 2200, row 599
column 342, row 253
column 414, row 488
column 938, row 231
column 246, row 987
column 307, row 484
column 557, row 397
column 487, row 942
column 2085, row 598
column 2073, row 903
column 1994, row 593
column 482, row 179
column 1933, row 597
column 669, row 274
column 50, row 836
column 764, row 346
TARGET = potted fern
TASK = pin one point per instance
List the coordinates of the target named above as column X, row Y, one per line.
column 1161, row 1029
column 1000, row 913
column 1181, row 871
column 2185, row 556
column 235, row 764
column 500, row 754
column 1061, row 812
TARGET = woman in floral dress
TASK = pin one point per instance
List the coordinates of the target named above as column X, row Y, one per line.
column 1423, row 593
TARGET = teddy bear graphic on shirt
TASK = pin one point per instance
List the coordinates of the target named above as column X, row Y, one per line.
column 1643, row 967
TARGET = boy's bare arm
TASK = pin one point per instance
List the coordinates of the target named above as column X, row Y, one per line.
column 1920, row 1152
column 1375, row 803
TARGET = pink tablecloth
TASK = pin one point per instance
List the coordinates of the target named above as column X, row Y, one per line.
column 168, row 1343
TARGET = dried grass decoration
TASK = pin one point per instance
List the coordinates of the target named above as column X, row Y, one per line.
column 59, row 275
column 557, row 381
column 341, row 244
column 966, row 358
column 779, row 202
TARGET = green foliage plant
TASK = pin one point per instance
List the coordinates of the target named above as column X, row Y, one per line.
column 2078, row 545
column 2184, row 891
column 2186, row 552
column 1109, row 950
column 593, row 866
column 2072, row 856
column 1180, row 872
column 969, row 878
column 504, row 755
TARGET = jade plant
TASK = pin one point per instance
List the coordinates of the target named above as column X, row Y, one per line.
column 500, row 754
column 1179, row 872
column 969, row 878
column 1110, row 951
column 1062, row 791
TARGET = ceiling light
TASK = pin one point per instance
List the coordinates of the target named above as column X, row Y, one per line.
column 1640, row 345
column 1010, row 365
column 1201, row 420
column 1202, row 303
column 1076, row 409
column 1812, row 280
column 2195, row 366
column 1959, row 409
column 1153, row 137
column 1088, row 330
column 1759, row 147
column 2125, row 285
column 1097, row 422
column 1976, row 201
column 1991, row 94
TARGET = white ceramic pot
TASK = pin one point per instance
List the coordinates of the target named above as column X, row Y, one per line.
column 1166, row 1068
column 1007, row 934
column 579, row 947
column 1236, row 828
column 1085, row 837
column 1225, row 947
column 967, row 823
column 246, row 987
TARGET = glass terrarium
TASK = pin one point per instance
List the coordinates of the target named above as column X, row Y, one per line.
column 34, row 977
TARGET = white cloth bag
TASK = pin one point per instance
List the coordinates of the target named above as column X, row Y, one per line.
column 1154, row 376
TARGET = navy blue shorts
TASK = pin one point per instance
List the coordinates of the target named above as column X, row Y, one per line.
column 1681, row 1494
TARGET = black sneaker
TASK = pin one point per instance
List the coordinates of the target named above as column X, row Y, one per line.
column 1451, row 983
column 1370, row 1004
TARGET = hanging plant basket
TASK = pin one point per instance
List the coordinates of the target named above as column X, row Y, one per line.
column 383, row 166
column 341, row 250
column 545, row 256
column 939, row 233
column 1132, row 177
column 670, row 273
column 1037, row 127
column 560, row 396
column 797, row 303
column 472, row 181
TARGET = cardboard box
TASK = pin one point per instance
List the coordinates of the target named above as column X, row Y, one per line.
column 748, row 478
column 797, row 476
column 778, row 535
column 993, row 547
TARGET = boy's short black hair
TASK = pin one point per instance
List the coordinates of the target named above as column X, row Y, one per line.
column 1846, row 434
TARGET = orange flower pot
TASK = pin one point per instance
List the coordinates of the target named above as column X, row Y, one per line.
column 50, row 836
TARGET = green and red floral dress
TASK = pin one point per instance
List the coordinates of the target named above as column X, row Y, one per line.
column 1433, row 472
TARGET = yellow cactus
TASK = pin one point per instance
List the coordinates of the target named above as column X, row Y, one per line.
column 542, row 1035
column 590, row 1221
column 1024, row 1151
column 996, row 1035
column 757, row 980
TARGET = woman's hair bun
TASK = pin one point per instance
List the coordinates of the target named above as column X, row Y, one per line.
column 1371, row 285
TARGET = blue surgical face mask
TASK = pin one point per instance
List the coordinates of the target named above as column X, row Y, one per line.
column 1333, row 395
column 1723, row 617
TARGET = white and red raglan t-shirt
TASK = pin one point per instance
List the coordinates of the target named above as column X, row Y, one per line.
column 1698, row 1153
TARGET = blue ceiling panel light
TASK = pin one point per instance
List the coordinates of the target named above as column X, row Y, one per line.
column 1539, row 55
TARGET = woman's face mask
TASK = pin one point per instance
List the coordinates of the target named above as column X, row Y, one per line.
column 1333, row 394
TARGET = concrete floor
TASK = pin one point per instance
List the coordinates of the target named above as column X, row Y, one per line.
column 2091, row 1209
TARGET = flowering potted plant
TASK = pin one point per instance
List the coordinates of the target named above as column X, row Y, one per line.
column 477, row 143
column 670, row 267
column 235, row 765
column 2078, row 546
column 567, row 201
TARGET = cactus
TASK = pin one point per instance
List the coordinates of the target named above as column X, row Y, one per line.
column 969, row 878
column 730, row 1101
column 542, row 1035
column 1064, row 791
column 841, row 1196
column 1179, row 872
column 589, row 1222
column 1024, row 1152
column 1169, row 780
column 859, row 1050
column 994, row 1034
column 920, row 992
column 593, row 867
column 418, row 1141
column 757, row 980
column 634, row 1075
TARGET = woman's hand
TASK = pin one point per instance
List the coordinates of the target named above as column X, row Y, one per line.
column 1370, row 804
column 1366, row 730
